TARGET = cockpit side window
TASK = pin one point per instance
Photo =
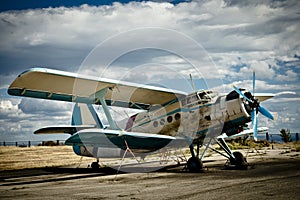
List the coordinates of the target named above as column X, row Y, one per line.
column 190, row 99
column 204, row 95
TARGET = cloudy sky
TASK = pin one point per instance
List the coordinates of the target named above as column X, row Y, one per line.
column 153, row 42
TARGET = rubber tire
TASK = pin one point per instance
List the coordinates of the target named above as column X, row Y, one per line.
column 194, row 165
column 95, row 165
column 239, row 161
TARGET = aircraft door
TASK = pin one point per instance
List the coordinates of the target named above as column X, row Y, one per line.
column 222, row 103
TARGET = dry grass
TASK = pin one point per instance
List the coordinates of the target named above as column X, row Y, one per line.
column 12, row 158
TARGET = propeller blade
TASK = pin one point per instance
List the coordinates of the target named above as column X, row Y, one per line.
column 253, row 112
column 265, row 112
column 240, row 93
column 253, row 83
column 254, row 123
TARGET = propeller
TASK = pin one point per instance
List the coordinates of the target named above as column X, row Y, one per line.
column 255, row 107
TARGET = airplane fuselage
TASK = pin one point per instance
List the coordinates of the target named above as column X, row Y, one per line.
column 195, row 115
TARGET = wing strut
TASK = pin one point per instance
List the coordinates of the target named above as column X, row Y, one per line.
column 125, row 152
column 100, row 96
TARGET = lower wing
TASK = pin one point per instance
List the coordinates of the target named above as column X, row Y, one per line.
column 243, row 133
column 141, row 142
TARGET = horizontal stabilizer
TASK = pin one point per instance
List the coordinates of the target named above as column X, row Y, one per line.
column 62, row 129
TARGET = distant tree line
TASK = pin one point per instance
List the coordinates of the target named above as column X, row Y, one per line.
column 285, row 135
column 32, row 143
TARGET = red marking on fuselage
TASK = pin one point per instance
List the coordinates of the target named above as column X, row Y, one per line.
column 130, row 122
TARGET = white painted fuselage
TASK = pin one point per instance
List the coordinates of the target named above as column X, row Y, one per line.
column 195, row 115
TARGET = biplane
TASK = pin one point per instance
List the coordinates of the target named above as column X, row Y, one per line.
column 167, row 118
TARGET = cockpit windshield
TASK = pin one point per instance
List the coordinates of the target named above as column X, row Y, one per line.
column 200, row 97
column 206, row 94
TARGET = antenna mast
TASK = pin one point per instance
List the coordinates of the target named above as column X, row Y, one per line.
column 192, row 82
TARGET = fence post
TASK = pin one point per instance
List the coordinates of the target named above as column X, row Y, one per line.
column 29, row 143
column 297, row 137
column 267, row 136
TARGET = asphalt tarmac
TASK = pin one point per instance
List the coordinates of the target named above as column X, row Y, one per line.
column 265, row 179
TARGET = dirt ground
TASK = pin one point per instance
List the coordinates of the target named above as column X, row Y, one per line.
column 13, row 158
column 272, row 174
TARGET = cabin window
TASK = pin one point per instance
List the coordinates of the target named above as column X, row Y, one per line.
column 169, row 119
column 188, row 100
column 177, row 116
column 155, row 124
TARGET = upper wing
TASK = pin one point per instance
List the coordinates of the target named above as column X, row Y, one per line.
column 59, row 85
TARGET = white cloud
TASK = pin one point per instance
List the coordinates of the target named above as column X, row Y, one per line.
column 232, row 36
column 217, row 27
column 262, row 69
column 238, row 36
column 288, row 76
column 46, row 107
column 7, row 107
column 260, row 86
column 6, row 79
column 20, row 124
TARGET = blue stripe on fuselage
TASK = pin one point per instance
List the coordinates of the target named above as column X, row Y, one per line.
column 174, row 111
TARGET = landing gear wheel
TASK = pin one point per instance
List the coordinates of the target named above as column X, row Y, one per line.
column 194, row 164
column 240, row 161
column 95, row 165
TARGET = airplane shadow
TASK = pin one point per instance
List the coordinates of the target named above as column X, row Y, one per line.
column 54, row 174
column 66, row 173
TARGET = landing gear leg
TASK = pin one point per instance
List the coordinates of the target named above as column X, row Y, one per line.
column 194, row 164
column 95, row 165
column 235, row 158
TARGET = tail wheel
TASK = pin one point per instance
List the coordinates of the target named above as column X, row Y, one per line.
column 194, row 164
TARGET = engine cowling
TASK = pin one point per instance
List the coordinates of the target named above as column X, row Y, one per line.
column 238, row 113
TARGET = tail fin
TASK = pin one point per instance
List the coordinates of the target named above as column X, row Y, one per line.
column 85, row 114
